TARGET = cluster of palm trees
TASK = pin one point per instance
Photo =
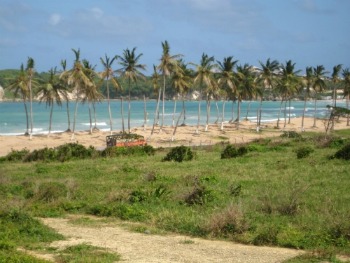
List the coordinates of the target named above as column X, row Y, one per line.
column 210, row 80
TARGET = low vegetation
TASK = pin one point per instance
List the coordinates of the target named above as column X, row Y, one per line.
column 291, row 191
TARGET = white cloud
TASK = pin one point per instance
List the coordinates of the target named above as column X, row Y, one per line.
column 55, row 19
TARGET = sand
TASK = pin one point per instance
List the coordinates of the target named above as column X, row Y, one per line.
column 185, row 135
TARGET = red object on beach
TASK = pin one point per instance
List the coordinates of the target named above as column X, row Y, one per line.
column 125, row 140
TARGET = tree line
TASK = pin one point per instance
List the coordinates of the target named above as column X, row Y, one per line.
column 209, row 80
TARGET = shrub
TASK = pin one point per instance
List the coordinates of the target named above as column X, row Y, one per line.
column 198, row 196
column 303, row 152
column 227, row 222
column 231, row 152
column 16, row 155
column 179, row 154
column 125, row 151
column 291, row 134
column 343, row 153
column 51, row 191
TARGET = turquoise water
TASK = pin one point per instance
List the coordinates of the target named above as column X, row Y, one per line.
column 13, row 119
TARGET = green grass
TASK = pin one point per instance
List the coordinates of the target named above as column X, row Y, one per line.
column 266, row 197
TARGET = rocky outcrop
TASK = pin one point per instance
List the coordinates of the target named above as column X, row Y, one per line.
column 2, row 93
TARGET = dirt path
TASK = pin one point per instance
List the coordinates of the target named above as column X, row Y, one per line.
column 138, row 247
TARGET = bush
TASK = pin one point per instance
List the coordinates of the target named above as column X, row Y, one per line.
column 291, row 134
column 343, row 153
column 51, row 191
column 179, row 154
column 14, row 156
column 303, row 152
column 125, row 151
column 231, row 152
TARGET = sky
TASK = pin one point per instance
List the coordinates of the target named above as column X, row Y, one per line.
column 308, row 32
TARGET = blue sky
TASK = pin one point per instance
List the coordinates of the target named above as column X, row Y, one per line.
column 309, row 32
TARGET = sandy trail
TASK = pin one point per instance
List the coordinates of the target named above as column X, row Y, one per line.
column 150, row 248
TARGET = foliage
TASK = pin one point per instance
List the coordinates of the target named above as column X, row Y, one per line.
column 126, row 151
column 232, row 152
column 291, row 134
column 14, row 155
column 304, row 151
column 343, row 153
column 179, row 154
column 86, row 253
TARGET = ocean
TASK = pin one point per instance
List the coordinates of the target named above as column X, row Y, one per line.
column 13, row 119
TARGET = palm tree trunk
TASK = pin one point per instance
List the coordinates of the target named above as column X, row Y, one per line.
column 109, row 108
column 303, row 116
column 156, row 114
column 177, row 124
column 208, row 114
column 51, row 111
column 122, row 113
column 223, row 115
column 238, row 113
column 183, row 106
column 199, row 114
column 285, row 114
column 75, row 119
column 161, row 126
column 27, row 117
column 31, row 108
column 68, row 115
column 173, row 123
column 347, row 106
column 248, row 109
column 289, row 110
column 90, row 118
column 279, row 114
column 144, row 113
column 129, row 109
column 315, row 113
column 232, row 111
column 258, row 117
column 217, row 112
column 94, row 109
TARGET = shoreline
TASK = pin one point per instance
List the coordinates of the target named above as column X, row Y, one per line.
column 185, row 135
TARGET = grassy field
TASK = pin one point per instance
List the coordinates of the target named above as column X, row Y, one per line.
column 284, row 192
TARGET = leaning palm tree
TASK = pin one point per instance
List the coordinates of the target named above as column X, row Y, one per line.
column 30, row 72
column 227, row 78
column 318, row 84
column 267, row 79
column 204, row 76
column 67, row 90
column 131, row 71
column 335, row 80
column 78, row 80
column 50, row 92
column 308, row 81
column 108, row 75
column 19, row 86
column 346, row 87
column 168, row 64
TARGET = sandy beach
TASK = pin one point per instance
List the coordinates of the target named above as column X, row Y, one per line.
column 185, row 135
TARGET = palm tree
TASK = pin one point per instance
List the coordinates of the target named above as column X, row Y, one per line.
column 335, row 80
column 91, row 94
column 181, row 82
column 288, row 85
column 204, row 76
column 227, row 78
column 346, row 87
column 30, row 72
column 318, row 84
column 168, row 64
column 67, row 89
column 108, row 75
column 155, row 82
column 246, row 86
column 308, row 80
column 131, row 72
column 19, row 86
column 78, row 80
column 267, row 79
column 52, row 91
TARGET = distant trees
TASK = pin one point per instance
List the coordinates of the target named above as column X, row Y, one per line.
column 209, row 80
